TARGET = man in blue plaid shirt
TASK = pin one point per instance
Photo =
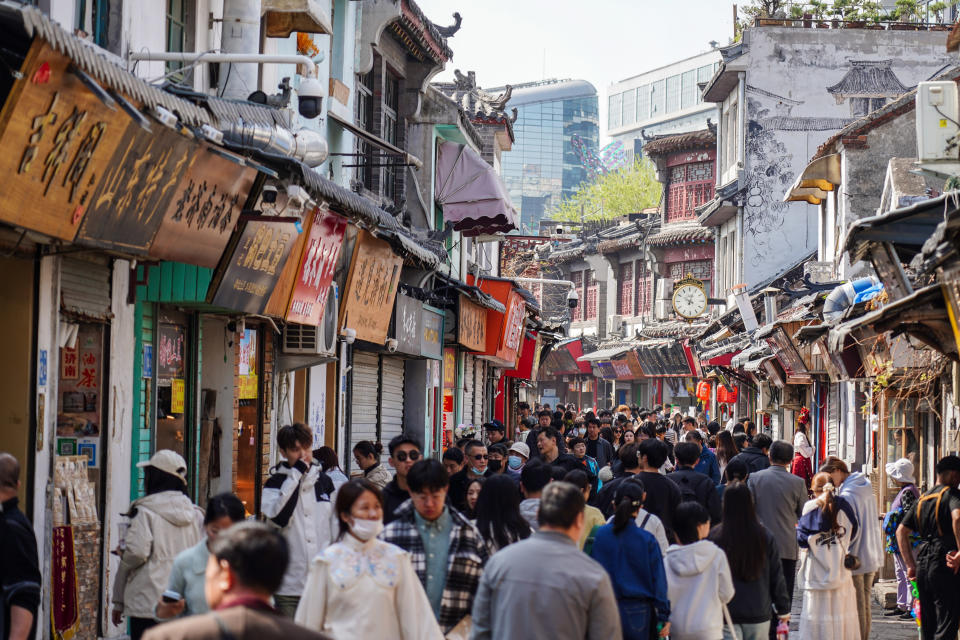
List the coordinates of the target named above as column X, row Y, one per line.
column 447, row 551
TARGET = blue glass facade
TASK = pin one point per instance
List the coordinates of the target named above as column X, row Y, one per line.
column 543, row 166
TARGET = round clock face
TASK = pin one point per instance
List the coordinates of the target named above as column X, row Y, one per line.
column 690, row 301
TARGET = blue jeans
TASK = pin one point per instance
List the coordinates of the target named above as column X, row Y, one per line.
column 636, row 616
column 756, row 631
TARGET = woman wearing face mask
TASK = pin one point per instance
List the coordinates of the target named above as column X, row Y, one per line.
column 517, row 456
column 361, row 587
column 498, row 458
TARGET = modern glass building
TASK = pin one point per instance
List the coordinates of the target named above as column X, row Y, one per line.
column 543, row 165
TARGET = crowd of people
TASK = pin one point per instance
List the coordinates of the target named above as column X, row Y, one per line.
column 625, row 523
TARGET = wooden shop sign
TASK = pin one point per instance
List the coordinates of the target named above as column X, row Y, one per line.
column 204, row 210
column 472, row 325
column 371, row 289
column 58, row 140
column 317, row 266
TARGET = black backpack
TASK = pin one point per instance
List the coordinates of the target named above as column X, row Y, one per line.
column 688, row 490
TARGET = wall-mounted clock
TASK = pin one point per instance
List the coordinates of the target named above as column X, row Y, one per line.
column 689, row 298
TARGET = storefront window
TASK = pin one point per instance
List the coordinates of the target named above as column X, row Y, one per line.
column 902, row 439
column 248, row 420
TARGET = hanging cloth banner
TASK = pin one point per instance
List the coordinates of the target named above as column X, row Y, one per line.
column 64, row 611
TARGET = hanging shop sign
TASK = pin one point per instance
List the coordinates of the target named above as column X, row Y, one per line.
column 252, row 266
column 408, row 318
column 58, row 139
column 449, row 368
column 621, row 368
column 634, row 364
column 204, row 209
column 606, row 370
column 138, row 185
column 526, row 368
column 503, row 329
column 431, row 333
column 793, row 365
column 317, row 266
column 371, row 289
column 472, row 325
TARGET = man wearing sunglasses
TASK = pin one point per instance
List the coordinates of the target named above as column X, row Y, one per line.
column 475, row 466
column 404, row 452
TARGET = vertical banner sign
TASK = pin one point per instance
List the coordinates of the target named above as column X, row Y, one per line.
column 449, row 383
column 431, row 334
column 472, row 325
column 247, row 366
column 407, row 320
column 319, row 262
column 254, row 266
column 64, row 600
column 371, row 289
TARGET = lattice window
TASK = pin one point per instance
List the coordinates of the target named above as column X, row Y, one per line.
column 644, row 290
column 625, row 293
column 699, row 269
column 691, row 185
column 576, row 277
column 591, row 306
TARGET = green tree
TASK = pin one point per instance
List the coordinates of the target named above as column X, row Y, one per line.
column 631, row 189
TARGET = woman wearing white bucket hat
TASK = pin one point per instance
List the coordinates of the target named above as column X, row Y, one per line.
column 901, row 472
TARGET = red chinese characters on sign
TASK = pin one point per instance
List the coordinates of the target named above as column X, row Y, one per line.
column 320, row 259
column 69, row 364
column 622, row 369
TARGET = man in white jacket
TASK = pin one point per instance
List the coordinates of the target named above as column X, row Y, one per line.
column 699, row 582
column 867, row 542
column 297, row 498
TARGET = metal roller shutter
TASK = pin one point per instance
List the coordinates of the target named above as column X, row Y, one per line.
column 467, row 411
column 833, row 420
column 391, row 401
column 364, row 405
column 85, row 288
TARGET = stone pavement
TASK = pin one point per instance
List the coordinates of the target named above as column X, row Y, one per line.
column 881, row 628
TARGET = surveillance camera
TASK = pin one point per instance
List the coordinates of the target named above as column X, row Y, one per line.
column 269, row 193
column 559, row 231
column 572, row 298
column 297, row 196
column 349, row 335
column 392, row 345
column 310, row 98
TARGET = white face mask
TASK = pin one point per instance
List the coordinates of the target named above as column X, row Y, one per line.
column 366, row 529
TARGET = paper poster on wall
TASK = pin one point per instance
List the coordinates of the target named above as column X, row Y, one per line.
column 176, row 395
column 79, row 408
column 88, row 447
column 148, row 361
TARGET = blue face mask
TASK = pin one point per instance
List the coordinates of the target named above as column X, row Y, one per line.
column 514, row 462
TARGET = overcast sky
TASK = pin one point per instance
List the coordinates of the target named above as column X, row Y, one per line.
column 603, row 41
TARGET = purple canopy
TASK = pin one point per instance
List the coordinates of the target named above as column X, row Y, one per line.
column 473, row 196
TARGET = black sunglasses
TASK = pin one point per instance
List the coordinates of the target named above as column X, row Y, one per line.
column 401, row 456
column 481, row 456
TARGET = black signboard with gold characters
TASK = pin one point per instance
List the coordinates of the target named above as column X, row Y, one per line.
column 689, row 297
column 252, row 265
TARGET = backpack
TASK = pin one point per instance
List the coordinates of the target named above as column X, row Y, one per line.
column 688, row 492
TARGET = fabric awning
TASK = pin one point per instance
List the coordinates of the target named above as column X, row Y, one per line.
column 472, row 195
column 604, row 354
column 820, row 176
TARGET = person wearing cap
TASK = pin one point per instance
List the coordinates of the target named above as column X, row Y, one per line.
column 162, row 524
column 935, row 518
column 495, row 432
column 517, row 457
column 901, row 472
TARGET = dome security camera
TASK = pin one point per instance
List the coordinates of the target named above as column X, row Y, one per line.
column 572, row 298
column 349, row 335
column 310, row 98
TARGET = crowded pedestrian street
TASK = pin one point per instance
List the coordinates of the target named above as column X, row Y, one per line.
column 499, row 320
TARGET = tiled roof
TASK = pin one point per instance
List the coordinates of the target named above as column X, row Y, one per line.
column 869, row 78
column 681, row 234
column 675, row 329
column 479, row 105
column 426, row 32
column 661, row 145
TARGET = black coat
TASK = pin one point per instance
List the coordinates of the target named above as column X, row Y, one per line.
column 700, row 487
column 393, row 497
column 755, row 459
column 752, row 600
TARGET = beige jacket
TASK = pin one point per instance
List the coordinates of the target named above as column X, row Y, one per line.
column 165, row 524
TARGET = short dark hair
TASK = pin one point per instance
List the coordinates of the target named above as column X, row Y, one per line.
column 713, row 427
column 522, row 405
column 655, row 452
column 498, row 447
column 687, row 453
column 687, row 518
column 473, row 444
column 257, row 554
column 736, row 469
column 348, row 494
column 494, row 426
column 550, row 432
column 781, row 451
column 691, row 436
column 534, row 476
column 462, row 442
column 427, row 474
column 224, row 504
column 947, row 464
column 557, row 473
column 740, row 440
column 290, row 436
column 628, row 455
column 327, row 458
column 593, row 420
column 545, row 412
column 401, row 440
column 738, row 428
column 454, row 454
column 575, row 441
column 578, row 478
column 689, row 420
column 560, row 505
column 762, row 441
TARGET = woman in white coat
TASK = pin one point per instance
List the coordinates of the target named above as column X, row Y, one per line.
column 364, row 588
column 829, row 601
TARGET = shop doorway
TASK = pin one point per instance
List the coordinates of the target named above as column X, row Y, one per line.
column 247, row 431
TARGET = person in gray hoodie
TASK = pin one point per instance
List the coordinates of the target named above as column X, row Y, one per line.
column 867, row 541
column 699, row 582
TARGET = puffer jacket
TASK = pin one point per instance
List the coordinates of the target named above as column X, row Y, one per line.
column 163, row 525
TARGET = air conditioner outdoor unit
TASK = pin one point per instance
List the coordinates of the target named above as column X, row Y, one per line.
column 937, row 116
column 614, row 323
column 663, row 309
column 303, row 339
column 665, row 289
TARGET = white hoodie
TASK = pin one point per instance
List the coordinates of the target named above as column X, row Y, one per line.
column 698, row 581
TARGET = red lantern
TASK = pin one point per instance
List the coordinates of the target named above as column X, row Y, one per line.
column 725, row 395
column 703, row 391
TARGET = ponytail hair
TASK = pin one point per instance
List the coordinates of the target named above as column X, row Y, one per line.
column 628, row 500
column 367, row 448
